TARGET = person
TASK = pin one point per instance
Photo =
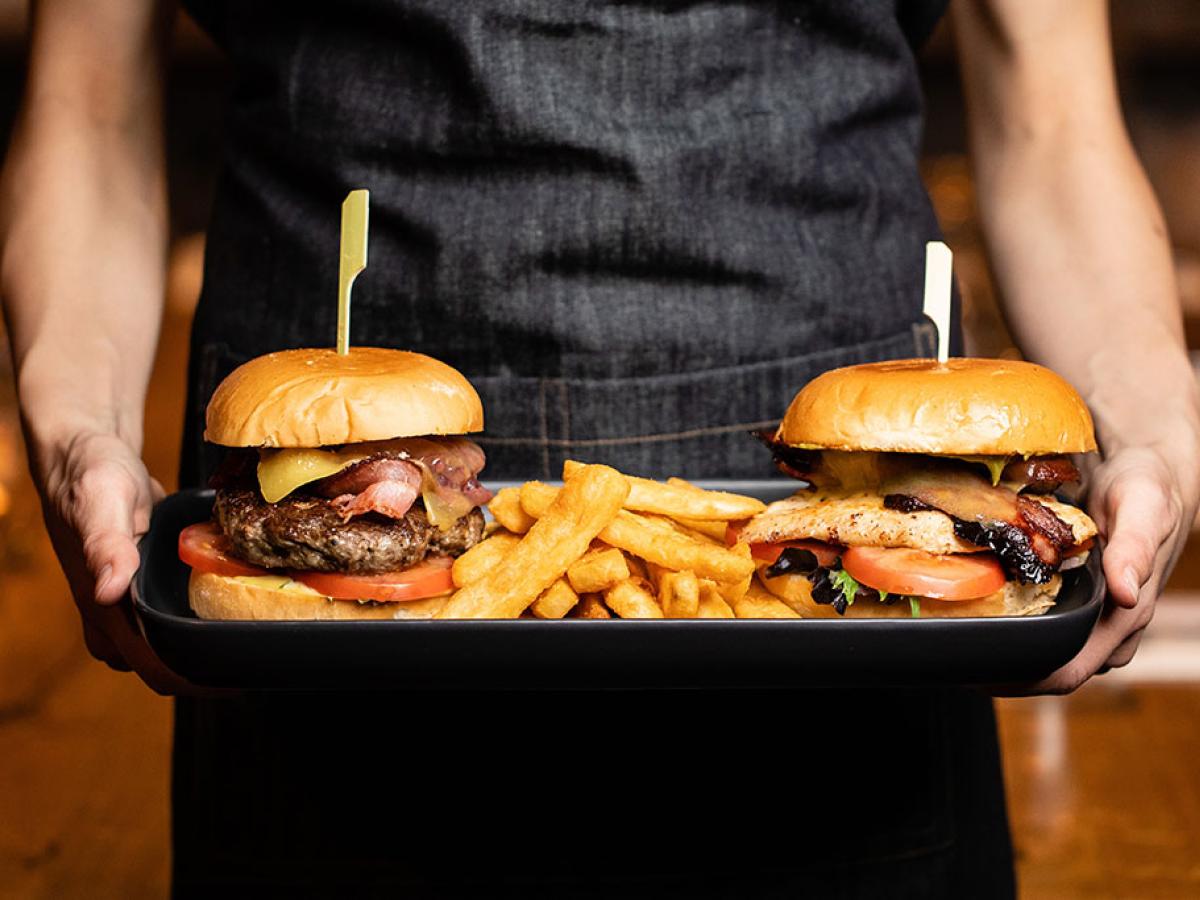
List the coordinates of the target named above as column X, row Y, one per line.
column 638, row 228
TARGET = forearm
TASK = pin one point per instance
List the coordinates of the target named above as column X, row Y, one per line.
column 1084, row 266
column 1077, row 241
column 83, row 211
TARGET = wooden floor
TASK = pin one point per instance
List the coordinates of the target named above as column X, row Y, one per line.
column 1104, row 792
column 1104, row 786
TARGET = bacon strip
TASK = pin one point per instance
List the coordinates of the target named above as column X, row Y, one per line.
column 388, row 498
column 1039, row 474
column 791, row 461
column 357, row 478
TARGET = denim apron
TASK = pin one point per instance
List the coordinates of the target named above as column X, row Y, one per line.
column 638, row 228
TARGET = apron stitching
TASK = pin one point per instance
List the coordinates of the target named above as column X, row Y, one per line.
column 547, row 442
column 863, row 350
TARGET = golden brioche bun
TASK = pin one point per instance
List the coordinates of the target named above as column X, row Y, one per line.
column 218, row 597
column 963, row 407
column 1014, row 599
column 315, row 398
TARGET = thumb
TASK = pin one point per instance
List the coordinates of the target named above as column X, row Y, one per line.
column 1140, row 521
column 104, row 502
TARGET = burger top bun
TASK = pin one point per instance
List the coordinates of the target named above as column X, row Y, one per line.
column 315, row 398
column 961, row 407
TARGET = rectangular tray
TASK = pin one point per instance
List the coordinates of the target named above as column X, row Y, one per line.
column 594, row 654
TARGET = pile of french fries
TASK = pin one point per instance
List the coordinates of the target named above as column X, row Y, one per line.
column 610, row 545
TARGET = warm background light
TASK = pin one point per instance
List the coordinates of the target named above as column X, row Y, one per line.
column 1104, row 786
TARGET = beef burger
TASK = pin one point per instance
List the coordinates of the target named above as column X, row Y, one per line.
column 347, row 492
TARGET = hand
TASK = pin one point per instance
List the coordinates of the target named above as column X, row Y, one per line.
column 96, row 499
column 1144, row 503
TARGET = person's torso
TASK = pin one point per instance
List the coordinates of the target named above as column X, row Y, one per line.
column 638, row 228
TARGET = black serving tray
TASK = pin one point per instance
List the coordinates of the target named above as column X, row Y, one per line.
column 591, row 654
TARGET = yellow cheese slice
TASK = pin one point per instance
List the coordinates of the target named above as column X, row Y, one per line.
column 282, row 471
column 442, row 510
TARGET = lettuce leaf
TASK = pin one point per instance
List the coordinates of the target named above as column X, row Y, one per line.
column 845, row 582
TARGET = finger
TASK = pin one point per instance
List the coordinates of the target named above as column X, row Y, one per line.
column 102, row 649
column 112, row 559
column 151, row 493
column 118, row 626
column 1124, row 653
column 102, row 511
column 1115, row 625
column 1141, row 523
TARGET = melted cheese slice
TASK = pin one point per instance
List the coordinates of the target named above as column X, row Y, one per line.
column 282, row 471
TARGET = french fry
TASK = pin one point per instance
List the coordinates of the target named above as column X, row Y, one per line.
column 675, row 551
column 536, row 497
column 556, row 601
column 712, row 604
column 631, row 599
column 637, row 567
column 482, row 558
column 652, row 541
column 679, row 594
column 735, row 590
column 597, row 570
column 713, row 529
column 647, row 495
column 759, row 603
column 590, row 607
column 683, row 483
column 505, row 508
column 586, row 505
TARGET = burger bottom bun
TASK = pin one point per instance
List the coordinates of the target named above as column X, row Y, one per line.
column 1014, row 599
column 218, row 597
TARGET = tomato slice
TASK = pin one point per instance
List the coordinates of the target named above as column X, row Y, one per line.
column 733, row 531
column 826, row 554
column 205, row 548
column 427, row 579
column 899, row 570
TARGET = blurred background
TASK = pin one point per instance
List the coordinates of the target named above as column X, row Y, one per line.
column 1104, row 789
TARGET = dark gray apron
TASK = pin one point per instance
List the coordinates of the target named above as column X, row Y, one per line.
column 638, row 228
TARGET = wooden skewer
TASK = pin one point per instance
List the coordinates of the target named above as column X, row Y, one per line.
column 353, row 259
column 939, row 263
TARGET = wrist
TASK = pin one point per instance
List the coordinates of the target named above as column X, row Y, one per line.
column 59, row 429
column 63, row 395
column 1152, row 402
column 1170, row 456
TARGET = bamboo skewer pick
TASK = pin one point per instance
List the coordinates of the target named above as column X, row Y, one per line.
column 353, row 259
column 939, row 262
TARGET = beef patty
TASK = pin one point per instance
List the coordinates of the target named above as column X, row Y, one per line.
column 305, row 532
